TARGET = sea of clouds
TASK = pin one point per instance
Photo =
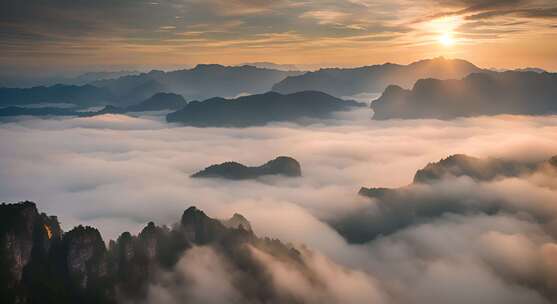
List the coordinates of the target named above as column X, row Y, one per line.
column 117, row 172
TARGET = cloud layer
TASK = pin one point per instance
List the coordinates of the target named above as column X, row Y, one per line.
column 117, row 173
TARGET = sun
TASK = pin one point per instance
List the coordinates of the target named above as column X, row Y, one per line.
column 446, row 39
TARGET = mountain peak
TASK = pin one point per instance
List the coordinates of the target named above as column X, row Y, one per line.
column 282, row 165
column 237, row 221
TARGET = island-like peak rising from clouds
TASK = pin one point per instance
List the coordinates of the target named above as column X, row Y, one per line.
column 282, row 165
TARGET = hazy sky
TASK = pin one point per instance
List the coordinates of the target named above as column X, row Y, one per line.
column 81, row 34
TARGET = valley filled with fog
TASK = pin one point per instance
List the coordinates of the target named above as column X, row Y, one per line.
column 118, row 172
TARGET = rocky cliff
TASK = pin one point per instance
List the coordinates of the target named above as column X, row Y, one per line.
column 42, row 264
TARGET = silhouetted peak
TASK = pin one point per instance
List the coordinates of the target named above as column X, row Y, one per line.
column 81, row 231
column 85, row 256
column 426, row 84
column 18, row 207
column 208, row 67
column 463, row 165
column 283, row 165
column 193, row 215
column 442, row 61
column 374, row 192
column 155, row 72
column 393, row 89
column 237, row 221
column 260, row 109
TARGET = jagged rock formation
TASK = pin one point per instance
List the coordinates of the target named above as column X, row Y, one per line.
column 374, row 79
column 255, row 110
column 282, row 165
column 41, row 264
column 489, row 93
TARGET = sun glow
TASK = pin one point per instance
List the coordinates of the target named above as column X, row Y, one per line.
column 446, row 39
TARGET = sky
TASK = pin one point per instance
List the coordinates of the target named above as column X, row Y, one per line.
column 79, row 35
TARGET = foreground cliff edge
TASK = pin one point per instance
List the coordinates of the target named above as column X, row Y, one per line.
column 43, row 264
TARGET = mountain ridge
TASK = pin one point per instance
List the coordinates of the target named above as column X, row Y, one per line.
column 375, row 78
column 511, row 92
column 260, row 109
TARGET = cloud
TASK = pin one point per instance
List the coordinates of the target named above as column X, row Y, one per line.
column 194, row 278
column 475, row 9
column 117, row 173
column 334, row 284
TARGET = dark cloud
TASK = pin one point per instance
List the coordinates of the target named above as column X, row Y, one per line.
column 542, row 13
column 476, row 10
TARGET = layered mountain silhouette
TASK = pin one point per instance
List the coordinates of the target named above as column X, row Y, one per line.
column 41, row 111
column 83, row 96
column 492, row 93
column 202, row 82
column 282, row 165
column 374, row 79
column 122, row 89
column 259, row 109
column 19, row 80
column 43, row 264
column 157, row 102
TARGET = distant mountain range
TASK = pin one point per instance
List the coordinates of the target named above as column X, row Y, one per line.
column 82, row 96
column 282, row 165
column 255, row 110
column 157, row 102
column 40, row 263
column 202, row 82
column 18, row 81
column 487, row 93
column 374, row 79
column 275, row 66
column 433, row 88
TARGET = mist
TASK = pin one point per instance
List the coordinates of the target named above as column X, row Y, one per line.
column 117, row 173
